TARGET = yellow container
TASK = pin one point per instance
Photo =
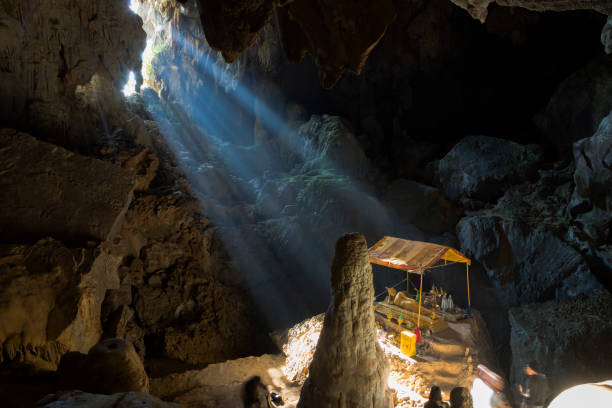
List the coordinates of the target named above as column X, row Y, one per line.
column 408, row 343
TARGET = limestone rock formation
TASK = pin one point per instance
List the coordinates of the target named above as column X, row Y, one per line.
column 78, row 399
column 569, row 339
column 111, row 366
column 606, row 36
column 50, row 48
column 50, row 299
column 49, row 191
column 232, row 27
column 592, row 197
column 329, row 142
column 478, row 8
column 579, row 104
column 421, row 205
column 348, row 367
column 527, row 263
column 339, row 35
column 481, row 167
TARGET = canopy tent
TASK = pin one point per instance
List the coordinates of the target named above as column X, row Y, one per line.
column 412, row 256
column 417, row 257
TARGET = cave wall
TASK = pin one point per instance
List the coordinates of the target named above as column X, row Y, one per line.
column 121, row 249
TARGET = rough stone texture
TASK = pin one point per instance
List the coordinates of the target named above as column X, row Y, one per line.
column 49, row 191
column 606, row 36
column 111, row 366
column 232, row 26
column 339, row 35
column 48, row 48
column 569, row 339
column 50, row 299
column 421, row 205
column 349, row 368
column 221, row 385
column 579, row 104
column 78, row 399
column 527, row 263
column 329, row 142
column 478, row 8
column 592, row 198
column 482, row 168
column 178, row 292
column 460, row 397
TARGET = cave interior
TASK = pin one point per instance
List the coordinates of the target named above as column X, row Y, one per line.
column 179, row 176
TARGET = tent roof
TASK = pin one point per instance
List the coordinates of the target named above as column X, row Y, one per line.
column 412, row 255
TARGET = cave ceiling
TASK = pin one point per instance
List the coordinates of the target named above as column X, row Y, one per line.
column 338, row 34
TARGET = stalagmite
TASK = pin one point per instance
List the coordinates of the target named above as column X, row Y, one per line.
column 349, row 368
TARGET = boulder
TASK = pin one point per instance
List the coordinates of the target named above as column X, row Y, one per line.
column 421, row 205
column 330, row 143
column 592, row 197
column 349, row 367
column 579, row 104
column 460, row 397
column 50, row 191
column 79, row 399
column 526, row 263
column 482, row 168
column 50, row 300
column 111, row 366
column 569, row 339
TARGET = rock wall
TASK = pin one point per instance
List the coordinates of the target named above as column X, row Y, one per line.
column 478, row 8
column 569, row 339
column 49, row 48
column 349, row 368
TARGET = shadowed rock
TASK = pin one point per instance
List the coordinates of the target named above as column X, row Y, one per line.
column 348, row 368
column 50, row 191
column 111, row 366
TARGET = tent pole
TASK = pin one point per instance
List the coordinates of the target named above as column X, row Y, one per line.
column 467, row 276
column 420, row 299
column 407, row 283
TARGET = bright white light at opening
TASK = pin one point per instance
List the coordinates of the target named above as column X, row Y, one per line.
column 147, row 57
column 596, row 395
column 481, row 394
column 134, row 6
column 130, row 86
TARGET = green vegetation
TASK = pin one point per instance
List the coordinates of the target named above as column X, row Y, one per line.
column 316, row 187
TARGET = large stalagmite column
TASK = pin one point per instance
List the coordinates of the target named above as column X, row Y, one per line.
column 348, row 368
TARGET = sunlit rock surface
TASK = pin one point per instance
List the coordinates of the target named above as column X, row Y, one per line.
column 349, row 367
column 221, row 385
column 569, row 339
column 50, row 300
